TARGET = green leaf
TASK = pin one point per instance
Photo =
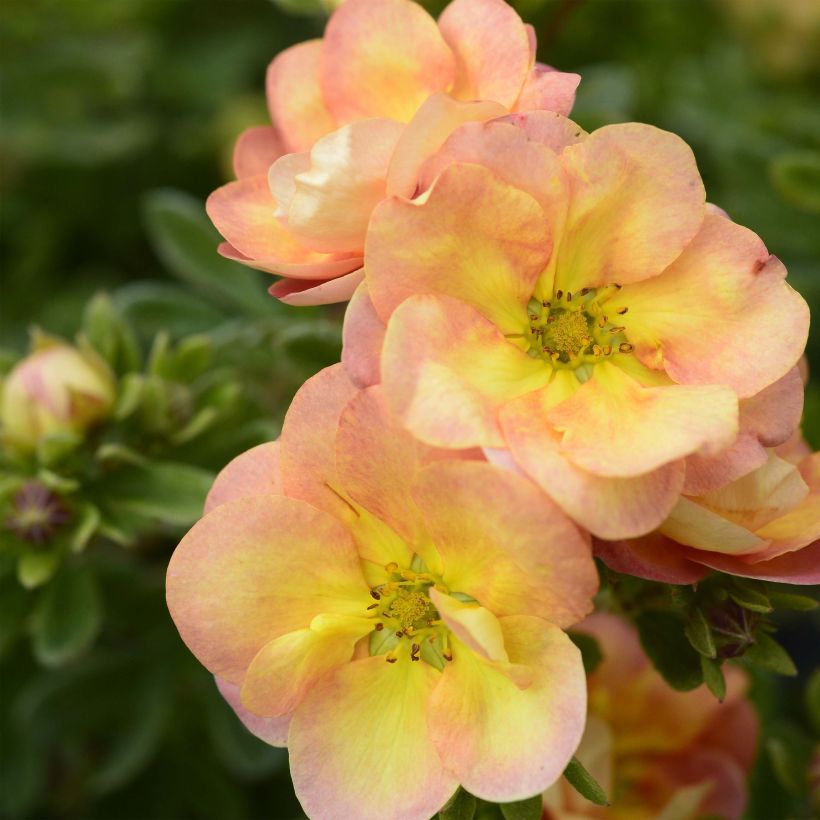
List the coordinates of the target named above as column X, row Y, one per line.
column 749, row 595
column 713, row 677
column 813, row 700
column 700, row 634
column 590, row 650
column 790, row 600
column 110, row 335
column 67, row 617
column 88, row 519
column 584, row 783
column 54, row 448
column 186, row 242
column 663, row 640
column 790, row 751
column 796, row 177
column 529, row 809
column 767, row 653
column 35, row 568
column 461, row 806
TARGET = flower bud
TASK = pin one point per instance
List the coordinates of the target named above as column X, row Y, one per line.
column 55, row 389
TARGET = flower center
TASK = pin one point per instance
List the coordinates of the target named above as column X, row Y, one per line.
column 570, row 330
column 37, row 513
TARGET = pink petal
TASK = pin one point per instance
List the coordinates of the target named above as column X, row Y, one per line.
column 296, row 292
column 256, row 149
column 653, row 557
column 254, row 472
column 272, row 730
column 363, row 336
column 548, row 89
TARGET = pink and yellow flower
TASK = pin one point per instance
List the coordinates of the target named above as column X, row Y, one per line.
column 354, row 115
column 391, row 614
column 571, row 304
column 658, row 753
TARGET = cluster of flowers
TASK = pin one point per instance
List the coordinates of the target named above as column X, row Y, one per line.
column 555, row 348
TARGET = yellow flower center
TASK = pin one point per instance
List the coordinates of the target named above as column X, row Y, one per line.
column 570, row 330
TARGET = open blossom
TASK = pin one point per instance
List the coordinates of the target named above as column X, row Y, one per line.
column 763, row 525
column 390, row 614
column 570, row 303
column 354, row 116
column 658, row 753
column 55, row 389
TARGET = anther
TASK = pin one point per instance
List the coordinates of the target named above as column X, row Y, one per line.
column 596, row 349
column 447, row 657
column 551, row 319
column 379, row 626
column 391, row 567
column 375, row 595
column 621, row 311
column 546, row 304
column 601, row 321
column 372, row 606
column 584, row 291
column 625, row 347
column 559, row 294
column 399, row 634
column 533, row 317
column 569, row 296
column 415, row 649
column 389, row 659
column 620, row 329
column 607, row 350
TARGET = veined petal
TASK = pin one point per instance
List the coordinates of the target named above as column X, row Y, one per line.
column 297, row 108
column 504, row 743
column 382, row 59
column 255, row 151
column 473, row 237
column 719, row 314
column 637, row 201
column 504, row 543
column 273, row 731
column 363, row 338
column 285, row 669
column 254, row 472
column 615, row 427
column 256, row 568
column 359, row 744
column 608, row 507
column 492, row 49
column 447, row 372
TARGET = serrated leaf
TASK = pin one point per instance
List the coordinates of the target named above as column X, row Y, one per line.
column 713, row 677
column 590, row 649
column 700, row 634
column 529, row 809
column 767, row 653
column 663, row 640
column 584, row 783
column 461, row 806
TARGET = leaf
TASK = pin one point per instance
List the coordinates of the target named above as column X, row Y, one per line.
column 110, row 335
column 767, row 653
column 88, row 519
column 590, row 650
column 796, row 177
column 67, row 616
column 790, row 752
column 35, row 568
column 584, row 783
column 663, row 640
column 813, row 700
column 790, row 600
column 461, row 806
column 713, row 677
column 186, row 242
column 529, row 809
column 700, row 634
column 749, row 596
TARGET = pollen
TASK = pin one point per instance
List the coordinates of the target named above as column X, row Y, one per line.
column 409, row 607
column 569, row 333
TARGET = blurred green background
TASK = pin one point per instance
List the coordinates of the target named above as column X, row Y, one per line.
column 117, row 120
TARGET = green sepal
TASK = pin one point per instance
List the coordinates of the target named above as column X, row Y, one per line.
column 461, row 806
column 699, row 634
column 584, row 783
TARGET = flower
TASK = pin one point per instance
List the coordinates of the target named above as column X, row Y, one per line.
column 764, row 525
column 55, row 389
column 36, row 513
column 391, row 614
column 570, row 303
column 354, row 116
column 657, row 752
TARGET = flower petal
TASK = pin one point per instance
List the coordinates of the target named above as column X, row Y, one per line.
column 653, row 557
column 720, row 314
column 799, row 567
column 359, row 744
column 254, row 472
column 504, row 743
column 490, row 238
column 548, row 89
column 474, row 625
column 448, row 371
column 296, row 292
column 297, row 108
column 608, row 507
column 333, row 199
column 256, row 149
column 492, row 49
column 504, row 543
column 256, row 568
column 615, row 427
column 273, row 731
column 329, row 266
column 637, row 200
column 550, row 129
column 363, row 337
column 382, row 58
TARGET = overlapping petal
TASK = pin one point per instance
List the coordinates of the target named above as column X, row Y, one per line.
column 255, row 151
column 254, row 472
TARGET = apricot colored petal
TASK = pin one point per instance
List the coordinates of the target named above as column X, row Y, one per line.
column 328, row 266
column 295, row 100
column 653, row 557
column 382, row 59
column 608, row 507
column 474, row 625
column 437, row 118
column 281, row 180
column 273, row 730
column 799, row 567
column 491, row 47
column 363, row 338
column 490, row 238
column 548, row 128
column 501, row 742
column 549, row 90
column 794, row 530
column 694, row 525
column 502, row 542
column 307, row 445
column 720, row 314
column 256, row 149
column 448, row 371
column 296, row 292
column 359, row 744
column 333, row 200
column 285, row 669
column 615, row 427
column 254, row 472
column 256, row 568
column 637, row 201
